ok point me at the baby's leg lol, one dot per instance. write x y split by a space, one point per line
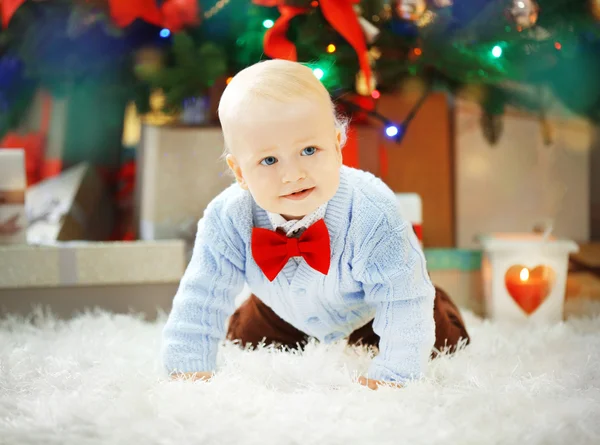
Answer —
255 322
449 326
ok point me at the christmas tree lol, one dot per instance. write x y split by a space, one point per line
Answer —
508 50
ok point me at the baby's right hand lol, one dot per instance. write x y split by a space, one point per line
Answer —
193 376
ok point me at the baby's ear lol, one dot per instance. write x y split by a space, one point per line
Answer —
236 169
338 145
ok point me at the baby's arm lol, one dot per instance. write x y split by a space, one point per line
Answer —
205 298
395 280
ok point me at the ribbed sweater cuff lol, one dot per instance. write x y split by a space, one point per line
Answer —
379 372
206 363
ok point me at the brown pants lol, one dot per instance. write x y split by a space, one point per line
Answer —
255 322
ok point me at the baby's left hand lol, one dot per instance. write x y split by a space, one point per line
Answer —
374 384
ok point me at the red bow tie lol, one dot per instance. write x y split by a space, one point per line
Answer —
272 250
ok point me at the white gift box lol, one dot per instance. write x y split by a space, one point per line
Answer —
180 172
524 276
73 276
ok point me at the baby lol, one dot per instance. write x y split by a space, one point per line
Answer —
322 246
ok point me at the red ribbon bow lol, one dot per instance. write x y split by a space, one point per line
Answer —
272 250
339 13
173 14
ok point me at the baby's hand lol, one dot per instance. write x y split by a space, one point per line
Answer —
193 376
374 384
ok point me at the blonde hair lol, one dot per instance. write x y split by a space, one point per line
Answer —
278 81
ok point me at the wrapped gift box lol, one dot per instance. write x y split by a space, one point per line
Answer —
13 182
180 170
71 276
72 206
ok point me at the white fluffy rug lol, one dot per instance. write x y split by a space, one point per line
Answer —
96 379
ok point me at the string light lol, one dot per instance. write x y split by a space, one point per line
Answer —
375 94
319 73
496 51
418 51
164 33
228 81
392 131
314 3
557 45
331 48
268 23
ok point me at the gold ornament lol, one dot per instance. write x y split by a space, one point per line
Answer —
157 116
524 13
411 10
132 126
361 84
374 53
595 8
216 9
426 19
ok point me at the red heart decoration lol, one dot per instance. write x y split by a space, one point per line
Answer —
529 288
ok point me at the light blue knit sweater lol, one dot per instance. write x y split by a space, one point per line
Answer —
377 270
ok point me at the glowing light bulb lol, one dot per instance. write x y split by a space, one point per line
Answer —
268 23
524 275
319 73
164 33
391 131
496 51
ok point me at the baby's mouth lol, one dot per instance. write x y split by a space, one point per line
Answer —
300 194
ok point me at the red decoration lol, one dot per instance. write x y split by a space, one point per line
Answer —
272 250
123 13
529 288
351 149
177 14
173 14
350 153
34 145
8 9
124 182
339 13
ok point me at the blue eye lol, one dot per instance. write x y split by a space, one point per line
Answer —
309 151
269 160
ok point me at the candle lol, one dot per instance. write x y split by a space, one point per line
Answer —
528 288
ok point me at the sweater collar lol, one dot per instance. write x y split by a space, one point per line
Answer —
337 215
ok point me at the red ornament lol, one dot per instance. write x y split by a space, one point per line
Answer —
177 14
124 13
8 9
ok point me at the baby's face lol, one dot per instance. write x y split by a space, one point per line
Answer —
288 156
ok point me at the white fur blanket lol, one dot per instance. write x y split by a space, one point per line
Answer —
96 379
